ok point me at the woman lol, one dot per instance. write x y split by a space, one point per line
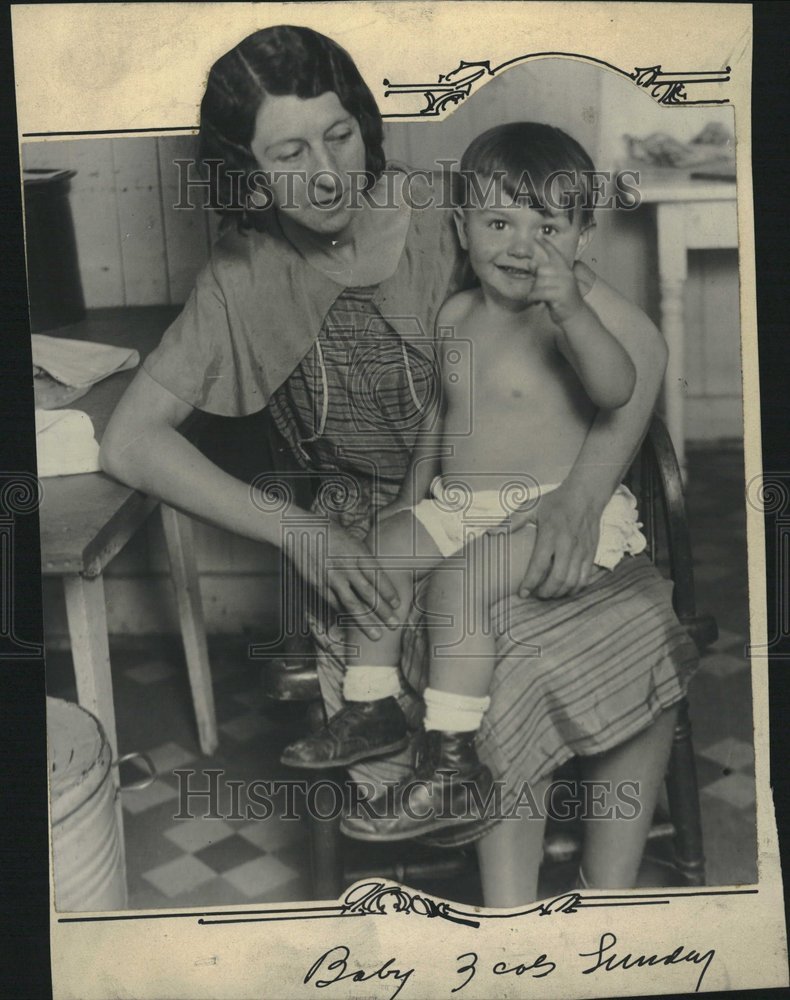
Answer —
320 304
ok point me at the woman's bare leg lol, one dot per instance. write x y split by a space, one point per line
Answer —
613 848
510 857
511 854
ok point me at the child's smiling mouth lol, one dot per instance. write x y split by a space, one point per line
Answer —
516 272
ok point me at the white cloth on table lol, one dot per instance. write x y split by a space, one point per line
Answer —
65 443
80 363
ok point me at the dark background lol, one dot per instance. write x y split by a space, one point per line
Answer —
25 974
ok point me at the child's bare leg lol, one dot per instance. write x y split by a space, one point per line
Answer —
372 723
510 857
463 644
454 785
406 551
613 848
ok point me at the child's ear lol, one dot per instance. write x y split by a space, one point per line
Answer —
460 225
584 239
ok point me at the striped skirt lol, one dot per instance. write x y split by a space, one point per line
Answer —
574 677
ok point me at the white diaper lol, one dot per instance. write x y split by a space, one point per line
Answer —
454 516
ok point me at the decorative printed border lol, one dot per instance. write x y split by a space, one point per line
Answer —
454 87
379 898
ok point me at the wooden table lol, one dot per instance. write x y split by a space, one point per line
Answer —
87 519
689 215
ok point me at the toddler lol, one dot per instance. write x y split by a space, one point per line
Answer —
527 361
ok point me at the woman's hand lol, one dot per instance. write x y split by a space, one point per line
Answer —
345 574
568 525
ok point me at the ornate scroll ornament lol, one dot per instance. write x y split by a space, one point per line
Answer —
670 88
450 88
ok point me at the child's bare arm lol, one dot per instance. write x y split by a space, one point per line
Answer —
603 365
569 518
424 464
601 362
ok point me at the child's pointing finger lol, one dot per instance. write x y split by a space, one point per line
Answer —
541 245
551 251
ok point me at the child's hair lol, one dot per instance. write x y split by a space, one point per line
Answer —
278 61
537 163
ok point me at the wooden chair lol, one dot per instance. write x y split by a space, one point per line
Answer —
655 479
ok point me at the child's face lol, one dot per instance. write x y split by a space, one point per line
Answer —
310 147
504 244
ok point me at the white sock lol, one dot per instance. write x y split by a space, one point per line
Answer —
370 683
453 713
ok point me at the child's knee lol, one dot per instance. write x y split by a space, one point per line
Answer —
393 536
497 562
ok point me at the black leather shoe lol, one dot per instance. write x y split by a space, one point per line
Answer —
360 730
449 787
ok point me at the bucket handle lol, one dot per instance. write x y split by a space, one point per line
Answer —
143 783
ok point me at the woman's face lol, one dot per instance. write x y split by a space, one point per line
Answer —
311 148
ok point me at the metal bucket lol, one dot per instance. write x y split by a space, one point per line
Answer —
86 848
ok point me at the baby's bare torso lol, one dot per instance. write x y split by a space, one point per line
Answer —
515 409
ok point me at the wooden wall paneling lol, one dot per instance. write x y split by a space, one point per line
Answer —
142 606
186 235
215 549
140 219
218 552
43 155
95 210
223 552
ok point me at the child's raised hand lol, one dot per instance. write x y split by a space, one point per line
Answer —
555 283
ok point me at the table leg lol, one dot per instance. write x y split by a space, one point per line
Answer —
673 270
181 552
87 620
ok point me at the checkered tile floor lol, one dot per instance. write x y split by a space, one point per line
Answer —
231 859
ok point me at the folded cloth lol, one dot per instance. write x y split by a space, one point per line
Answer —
80 362
50 394
65 445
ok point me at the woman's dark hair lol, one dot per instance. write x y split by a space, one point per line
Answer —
279 61
529 158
